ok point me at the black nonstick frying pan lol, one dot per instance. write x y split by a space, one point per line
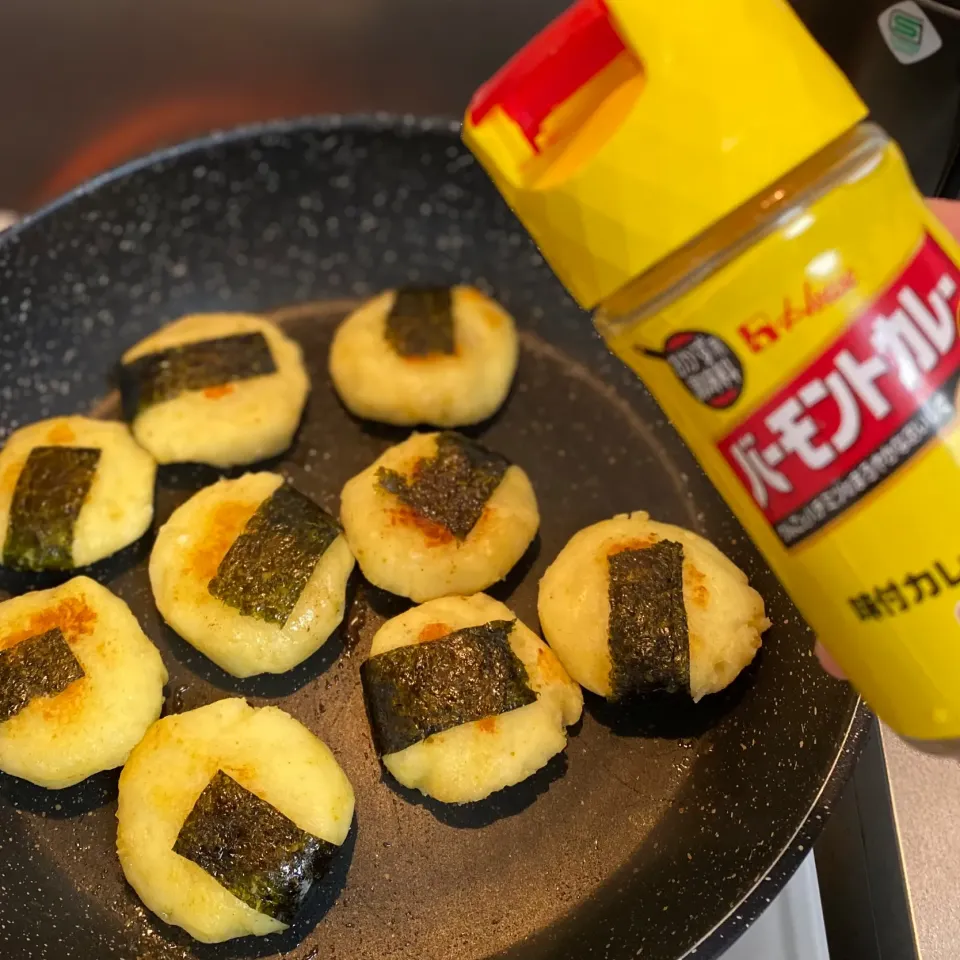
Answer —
661 829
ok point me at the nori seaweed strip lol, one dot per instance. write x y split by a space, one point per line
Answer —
268 565
249 847
47 498
420 322
40 666
649 644
166 374
415 691
452 487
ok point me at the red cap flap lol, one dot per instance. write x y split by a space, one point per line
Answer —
564 56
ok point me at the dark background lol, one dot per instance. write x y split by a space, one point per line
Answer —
85 84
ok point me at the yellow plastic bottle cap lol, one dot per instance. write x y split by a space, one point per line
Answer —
627 127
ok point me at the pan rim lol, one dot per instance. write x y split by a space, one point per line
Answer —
727 930
762 894
318 122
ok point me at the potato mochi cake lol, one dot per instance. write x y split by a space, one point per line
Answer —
217 388
464 699
632 606
439 355
227 816
252 573
438 515
80 683
73 490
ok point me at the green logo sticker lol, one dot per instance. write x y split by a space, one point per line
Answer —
906 32
909 32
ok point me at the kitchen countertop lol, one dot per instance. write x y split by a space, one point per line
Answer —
926 799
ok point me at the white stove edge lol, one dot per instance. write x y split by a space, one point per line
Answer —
791 928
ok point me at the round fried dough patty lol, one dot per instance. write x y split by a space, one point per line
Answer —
118 507
226 424
94 723
472 760
186 556
398 550
725 615
447 390
269 754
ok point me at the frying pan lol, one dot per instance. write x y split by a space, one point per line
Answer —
662 830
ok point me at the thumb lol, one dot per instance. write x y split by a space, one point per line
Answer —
948 213
827 662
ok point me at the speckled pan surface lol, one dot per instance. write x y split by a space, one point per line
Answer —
657 832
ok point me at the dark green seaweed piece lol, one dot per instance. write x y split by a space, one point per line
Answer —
249 847
415 691
420 322
452 487
268 565
41 666
50 491
649 645
166 374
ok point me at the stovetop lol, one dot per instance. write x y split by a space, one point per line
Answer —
791 928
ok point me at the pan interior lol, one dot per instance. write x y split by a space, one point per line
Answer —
656 821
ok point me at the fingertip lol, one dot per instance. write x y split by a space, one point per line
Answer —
947 212
827 662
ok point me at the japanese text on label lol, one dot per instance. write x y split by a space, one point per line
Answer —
861 409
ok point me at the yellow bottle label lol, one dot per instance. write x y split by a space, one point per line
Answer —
815 377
